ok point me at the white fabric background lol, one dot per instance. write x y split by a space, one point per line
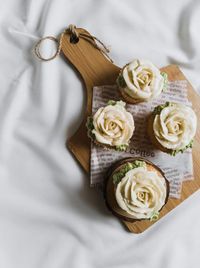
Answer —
49 218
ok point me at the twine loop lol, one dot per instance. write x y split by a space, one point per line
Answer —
74 38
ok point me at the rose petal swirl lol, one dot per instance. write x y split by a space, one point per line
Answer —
141 192
143 80
113 125
175 126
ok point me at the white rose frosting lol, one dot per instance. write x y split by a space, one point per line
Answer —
141 192
113 125
143 80
175 126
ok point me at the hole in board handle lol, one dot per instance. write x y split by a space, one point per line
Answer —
74 39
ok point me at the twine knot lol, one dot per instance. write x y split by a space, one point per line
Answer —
74 35
74 38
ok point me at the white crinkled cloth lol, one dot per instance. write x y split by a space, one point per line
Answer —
49 217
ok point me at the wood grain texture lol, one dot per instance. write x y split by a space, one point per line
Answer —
95 70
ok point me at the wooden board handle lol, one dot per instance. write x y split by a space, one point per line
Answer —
91 63
95 70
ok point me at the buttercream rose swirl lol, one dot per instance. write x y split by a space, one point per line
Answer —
141 193
113 125
175 126
143 80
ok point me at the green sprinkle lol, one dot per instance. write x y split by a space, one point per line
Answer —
154 217
158 109
120 81
129 166
121 103
139 163
121 147
165 82
117 177
113 103
175 152
90 127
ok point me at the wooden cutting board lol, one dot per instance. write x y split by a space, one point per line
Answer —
96 70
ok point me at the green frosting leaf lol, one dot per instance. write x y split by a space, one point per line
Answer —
158 109
90 127
121 147
117 177
175 152
154 217
120 81
113 103
164 75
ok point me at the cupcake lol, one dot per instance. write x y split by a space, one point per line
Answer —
111 126
172 127
136 189
141 81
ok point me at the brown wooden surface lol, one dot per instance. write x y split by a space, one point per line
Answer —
96 70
